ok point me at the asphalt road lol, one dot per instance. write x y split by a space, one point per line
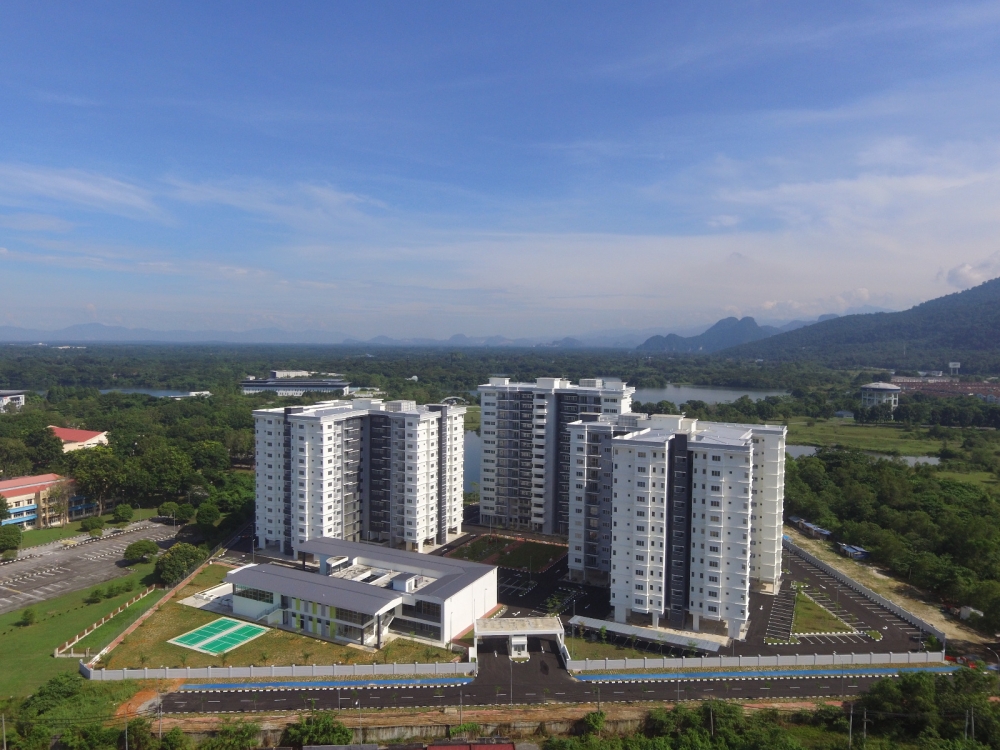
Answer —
502 682
55 569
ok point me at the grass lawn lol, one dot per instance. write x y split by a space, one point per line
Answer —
846 432
984 479
27 659
148 646
810 617
479 549
581 648
534 554
473 417
35 537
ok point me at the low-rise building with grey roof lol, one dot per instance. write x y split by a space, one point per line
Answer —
363 592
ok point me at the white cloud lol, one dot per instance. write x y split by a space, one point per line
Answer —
22 184
967 275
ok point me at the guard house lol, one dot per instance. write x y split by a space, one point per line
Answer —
517 630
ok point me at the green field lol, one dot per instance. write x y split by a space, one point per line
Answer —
43 536
27 651
531 556
810 617
849 434
481 548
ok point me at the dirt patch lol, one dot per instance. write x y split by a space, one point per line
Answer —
924 605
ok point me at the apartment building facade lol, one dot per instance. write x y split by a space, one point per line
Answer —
361 470
680 519
525 471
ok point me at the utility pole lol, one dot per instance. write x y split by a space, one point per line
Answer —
461 719
850 729
126 731
864 727
973 725
361 731
160 711
512 679
3 720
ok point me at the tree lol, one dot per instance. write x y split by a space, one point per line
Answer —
167 470
168 509
208 514
175 563
28 617
210 457
185 512
99 474
56 504
10 537
319 729
4 510
44 446
141 550
123 513
15 460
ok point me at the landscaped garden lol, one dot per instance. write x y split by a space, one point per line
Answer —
508 552
147 646
810 617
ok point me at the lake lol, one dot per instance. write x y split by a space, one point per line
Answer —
795 451
710 394
148 391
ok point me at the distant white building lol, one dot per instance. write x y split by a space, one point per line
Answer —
11 400
296 383
359 470
876 394
363 593
680 519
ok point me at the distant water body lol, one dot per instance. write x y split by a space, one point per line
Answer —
148 391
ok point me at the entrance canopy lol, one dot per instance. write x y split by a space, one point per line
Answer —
517 630
514 626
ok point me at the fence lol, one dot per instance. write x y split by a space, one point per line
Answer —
866 592
755 662
314 670
60 650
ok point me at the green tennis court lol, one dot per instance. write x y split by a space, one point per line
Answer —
219 636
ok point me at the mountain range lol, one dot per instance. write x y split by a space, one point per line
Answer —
727 333
964 327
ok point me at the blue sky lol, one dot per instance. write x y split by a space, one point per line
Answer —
424 169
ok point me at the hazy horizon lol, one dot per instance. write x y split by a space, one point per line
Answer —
530 171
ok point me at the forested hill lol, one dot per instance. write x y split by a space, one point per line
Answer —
727 332
964 327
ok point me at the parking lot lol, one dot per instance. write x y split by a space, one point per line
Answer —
51 570
771 618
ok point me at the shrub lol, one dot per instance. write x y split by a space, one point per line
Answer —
141 550
10 537
8 554
27 618
233 735
92 524
319 729
123 513
593 722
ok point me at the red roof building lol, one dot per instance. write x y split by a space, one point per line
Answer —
74 440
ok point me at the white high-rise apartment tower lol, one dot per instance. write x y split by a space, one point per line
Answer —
525 473
680 518
362 470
